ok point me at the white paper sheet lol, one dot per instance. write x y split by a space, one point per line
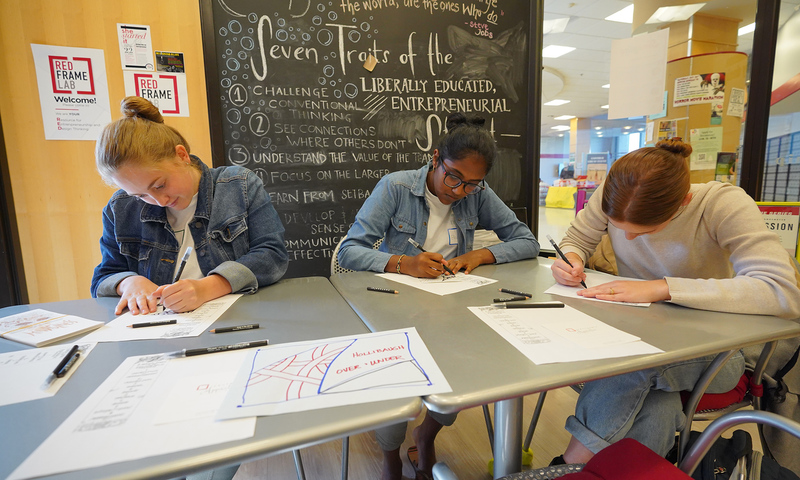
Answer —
555 335
444 285
295 377
24 373
633 93
592 280
116 422
190 324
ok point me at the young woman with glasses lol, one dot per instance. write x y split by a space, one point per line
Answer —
702 246
439 206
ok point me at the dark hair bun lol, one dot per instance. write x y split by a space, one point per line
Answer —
455 120
139 107
675 145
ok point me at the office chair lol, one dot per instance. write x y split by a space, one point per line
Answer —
648 465
335 267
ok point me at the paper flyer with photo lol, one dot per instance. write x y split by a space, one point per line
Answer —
701 88
73 91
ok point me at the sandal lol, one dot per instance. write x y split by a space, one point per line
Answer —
413 457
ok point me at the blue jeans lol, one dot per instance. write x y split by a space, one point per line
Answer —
644 405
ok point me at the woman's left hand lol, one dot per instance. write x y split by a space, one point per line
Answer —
628 291
471 260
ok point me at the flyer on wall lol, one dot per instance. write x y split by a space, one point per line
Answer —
135 47
73 91
701 88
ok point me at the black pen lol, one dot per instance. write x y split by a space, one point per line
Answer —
529 305
384 290
183 264
563 257
221 348
419 247
514 292
509 299
157 323
249 326
64 365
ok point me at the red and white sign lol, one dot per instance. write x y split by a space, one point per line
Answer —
73 91
783 220
167 91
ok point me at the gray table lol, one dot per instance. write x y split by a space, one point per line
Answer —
291 310
482 367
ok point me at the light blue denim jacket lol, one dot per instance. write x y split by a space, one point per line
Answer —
236 230
396 210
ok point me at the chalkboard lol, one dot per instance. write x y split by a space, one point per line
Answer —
291 97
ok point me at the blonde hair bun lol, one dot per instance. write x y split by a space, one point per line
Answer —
141 108
675 145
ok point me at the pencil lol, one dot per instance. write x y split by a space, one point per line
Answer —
384 290
563 257
419 247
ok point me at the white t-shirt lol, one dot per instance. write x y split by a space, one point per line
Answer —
179 221
442 232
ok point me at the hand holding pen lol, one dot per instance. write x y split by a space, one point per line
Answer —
431 258
567 277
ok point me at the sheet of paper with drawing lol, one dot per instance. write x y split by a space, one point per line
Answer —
560 334
189 324
593 279
295 377
444 285
38 327
29 370
127 416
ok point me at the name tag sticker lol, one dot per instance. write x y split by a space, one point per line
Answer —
452 235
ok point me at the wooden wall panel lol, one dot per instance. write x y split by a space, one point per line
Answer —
57 192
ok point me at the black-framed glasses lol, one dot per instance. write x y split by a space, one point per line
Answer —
451 180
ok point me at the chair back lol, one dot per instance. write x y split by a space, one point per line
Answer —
335 267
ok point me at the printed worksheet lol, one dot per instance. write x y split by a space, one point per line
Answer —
295 377
38 327
124 418
593 279
554 335
188 324
443 285
25 373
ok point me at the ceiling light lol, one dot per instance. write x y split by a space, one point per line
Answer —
598 128
640 129
564 117
556 102
555 51
601 106
747 29
627 127
560 134
600 134
674 14
556 25
623 16
625 133
607 85
560 127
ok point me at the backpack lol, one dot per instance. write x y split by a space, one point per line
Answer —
734 458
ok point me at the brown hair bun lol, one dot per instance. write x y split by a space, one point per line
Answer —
139 107
675 145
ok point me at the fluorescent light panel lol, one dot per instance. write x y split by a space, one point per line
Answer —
555 25
555 51
677 13
556 103
564 117
747 29
560 127
623 16
607 85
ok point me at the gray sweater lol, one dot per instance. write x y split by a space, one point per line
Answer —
717 254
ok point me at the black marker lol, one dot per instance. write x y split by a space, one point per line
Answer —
563 257
249 326
529 305
220 348
64 365
183 264
514 292
384 290
157 323
419 247
509 299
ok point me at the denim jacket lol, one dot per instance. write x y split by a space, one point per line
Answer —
236 230
396 210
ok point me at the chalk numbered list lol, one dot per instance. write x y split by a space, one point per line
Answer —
38 327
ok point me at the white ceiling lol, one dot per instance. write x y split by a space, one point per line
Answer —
580 75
